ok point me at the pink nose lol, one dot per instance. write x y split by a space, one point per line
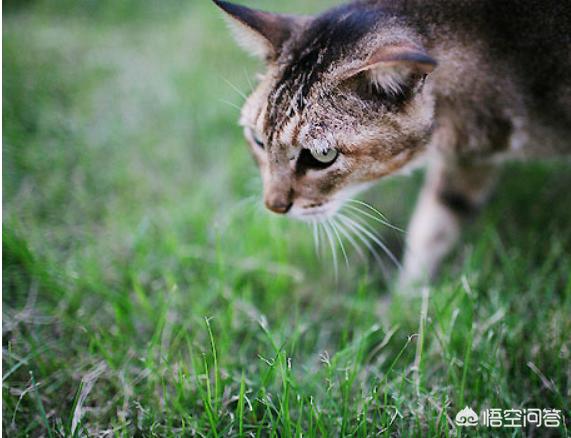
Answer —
277 205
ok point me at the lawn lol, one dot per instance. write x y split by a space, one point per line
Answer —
146 291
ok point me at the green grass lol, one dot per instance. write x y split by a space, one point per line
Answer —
143 296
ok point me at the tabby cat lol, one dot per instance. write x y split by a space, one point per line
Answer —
374 87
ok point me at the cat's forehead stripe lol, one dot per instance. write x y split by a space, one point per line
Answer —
290 131
329 38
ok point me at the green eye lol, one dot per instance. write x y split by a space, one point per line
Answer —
309 159
325 157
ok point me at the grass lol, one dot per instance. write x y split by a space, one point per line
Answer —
144 294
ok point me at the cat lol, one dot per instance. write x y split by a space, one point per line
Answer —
371 88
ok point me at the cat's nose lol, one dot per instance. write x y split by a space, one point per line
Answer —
277 205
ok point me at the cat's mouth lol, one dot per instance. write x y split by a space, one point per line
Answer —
325 210
320 213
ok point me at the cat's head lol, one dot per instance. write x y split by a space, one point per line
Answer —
344 101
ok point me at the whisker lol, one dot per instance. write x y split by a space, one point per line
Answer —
316 237
375 238
369 206
375 218
370 247
248 80
334 228
333 251
233 105
361 237
236 89
347 235
322 238
374 235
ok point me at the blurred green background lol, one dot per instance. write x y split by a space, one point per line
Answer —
147 292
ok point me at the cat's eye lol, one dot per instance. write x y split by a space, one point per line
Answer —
325 157
309 159
259 142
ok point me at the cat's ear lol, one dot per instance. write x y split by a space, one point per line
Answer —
390 68
260 33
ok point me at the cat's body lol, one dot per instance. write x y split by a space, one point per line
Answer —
509 62
366 89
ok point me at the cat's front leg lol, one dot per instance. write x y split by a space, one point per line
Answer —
451 195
